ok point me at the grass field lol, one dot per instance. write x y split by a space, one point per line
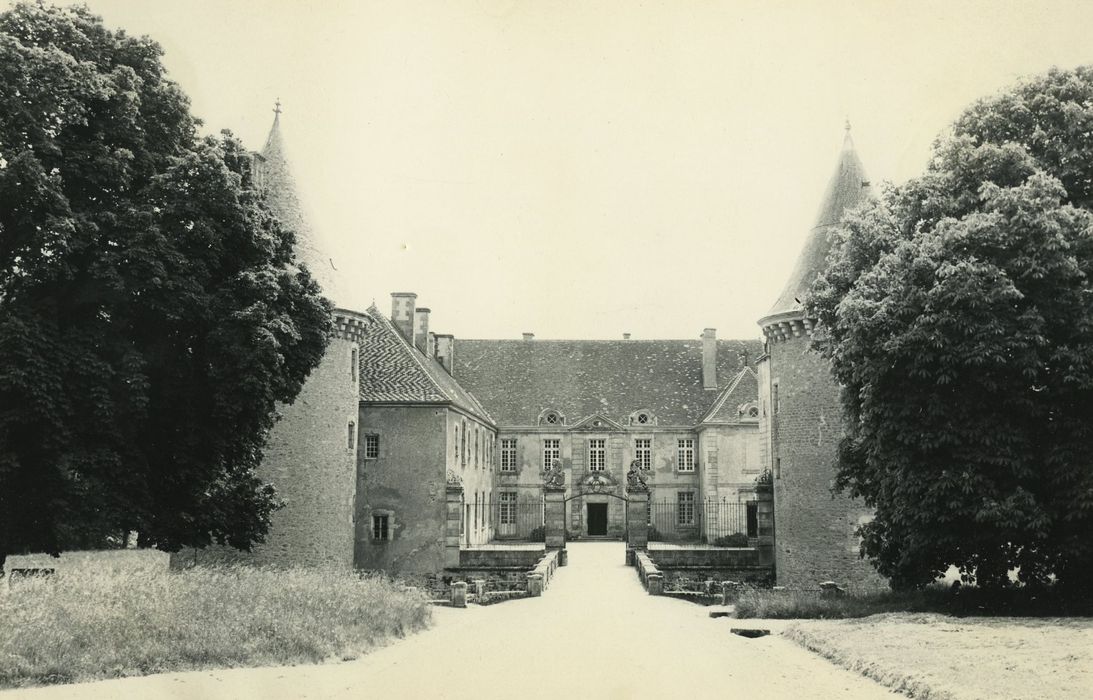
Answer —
70 628
935 657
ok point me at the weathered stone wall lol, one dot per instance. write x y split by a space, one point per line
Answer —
683 557
312 463
407 483
814 530
729 461
493 557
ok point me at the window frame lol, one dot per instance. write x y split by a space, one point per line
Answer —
597 454
647 451
557 449
685 455
685 508
387 520
371 440
508 455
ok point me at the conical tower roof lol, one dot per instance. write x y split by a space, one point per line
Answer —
284 201
849 187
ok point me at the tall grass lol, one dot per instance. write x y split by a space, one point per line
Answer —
77 627
967 601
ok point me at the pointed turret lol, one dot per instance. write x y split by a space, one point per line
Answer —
284 200
849 187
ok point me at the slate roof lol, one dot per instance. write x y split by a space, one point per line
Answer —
847 189
744 388
394 371
518 379
284 200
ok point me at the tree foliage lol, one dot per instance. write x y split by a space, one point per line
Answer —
151 314
959 314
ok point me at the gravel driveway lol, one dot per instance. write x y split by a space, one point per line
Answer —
594 634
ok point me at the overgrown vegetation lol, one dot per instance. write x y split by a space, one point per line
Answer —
774 604
64 629
958 316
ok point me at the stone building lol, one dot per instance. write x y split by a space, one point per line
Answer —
397 417
800 415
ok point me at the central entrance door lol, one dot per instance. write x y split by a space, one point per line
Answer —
597 519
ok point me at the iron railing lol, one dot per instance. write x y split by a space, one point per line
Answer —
517 519
709 520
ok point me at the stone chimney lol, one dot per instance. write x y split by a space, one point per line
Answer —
421 330
709 358
529 336
445 352
430 345
402 313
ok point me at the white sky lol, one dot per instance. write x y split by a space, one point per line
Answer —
581 169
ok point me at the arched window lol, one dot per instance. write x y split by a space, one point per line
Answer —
351 436
551 417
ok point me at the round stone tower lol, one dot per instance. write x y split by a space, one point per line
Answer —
311 457
801 416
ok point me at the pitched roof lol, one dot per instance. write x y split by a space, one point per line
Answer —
848 188
394 371
518 379
284 201
743 389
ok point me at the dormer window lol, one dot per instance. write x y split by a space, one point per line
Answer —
551 417
642 418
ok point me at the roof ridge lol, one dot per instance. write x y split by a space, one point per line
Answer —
726 392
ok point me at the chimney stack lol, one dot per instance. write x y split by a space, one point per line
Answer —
430 345
529 336
445 352
402 313
421 330
709 358
626 336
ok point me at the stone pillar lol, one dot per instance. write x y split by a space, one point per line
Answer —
535 584
479 588
637 522
655 584
765 517
459 594
453 523
555 518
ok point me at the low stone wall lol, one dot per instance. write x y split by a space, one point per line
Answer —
650 575
491 557
539 577
131 561
721 557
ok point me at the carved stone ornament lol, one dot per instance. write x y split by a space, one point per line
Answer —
634 479
554 477
454 480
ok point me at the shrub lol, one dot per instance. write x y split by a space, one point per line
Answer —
66 628
737 539
538 534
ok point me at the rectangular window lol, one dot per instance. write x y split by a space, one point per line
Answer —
380 530
371 446
507 509
552 450
686 454
508 454
775 405
353 365
597 454
351 436
686 508
476 452
643 452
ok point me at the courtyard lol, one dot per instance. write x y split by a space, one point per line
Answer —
595 633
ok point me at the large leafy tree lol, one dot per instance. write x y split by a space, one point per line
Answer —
151 314
959 316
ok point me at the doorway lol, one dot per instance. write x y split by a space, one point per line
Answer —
597 520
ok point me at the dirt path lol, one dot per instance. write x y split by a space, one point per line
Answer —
594 634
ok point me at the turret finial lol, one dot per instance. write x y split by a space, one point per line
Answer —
277 107
847 126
